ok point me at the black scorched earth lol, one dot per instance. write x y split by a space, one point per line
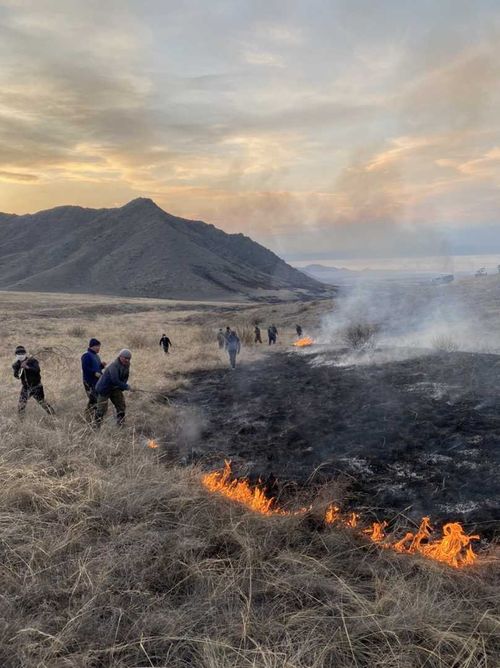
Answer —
419 436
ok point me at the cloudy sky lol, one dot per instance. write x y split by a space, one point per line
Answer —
325 128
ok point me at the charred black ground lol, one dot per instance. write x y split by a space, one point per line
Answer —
419 436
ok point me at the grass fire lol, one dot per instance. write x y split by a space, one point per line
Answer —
304 342
452 548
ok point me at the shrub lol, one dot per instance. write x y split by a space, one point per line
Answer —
359 336
445 344
139 340
77 331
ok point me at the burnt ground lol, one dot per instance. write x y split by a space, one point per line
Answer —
417 436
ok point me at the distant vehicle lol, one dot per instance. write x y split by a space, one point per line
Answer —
441 280
481 272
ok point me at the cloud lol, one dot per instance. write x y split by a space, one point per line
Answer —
326 125
17 177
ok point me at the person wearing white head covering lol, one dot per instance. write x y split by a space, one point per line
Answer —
27 369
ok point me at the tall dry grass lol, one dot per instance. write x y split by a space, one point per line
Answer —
112 557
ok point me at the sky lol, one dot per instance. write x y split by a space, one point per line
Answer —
322 129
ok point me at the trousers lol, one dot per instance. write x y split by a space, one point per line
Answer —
117 399
38 395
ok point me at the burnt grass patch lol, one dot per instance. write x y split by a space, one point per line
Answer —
414 437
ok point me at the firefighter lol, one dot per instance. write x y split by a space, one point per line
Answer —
166 343
233 347
258 338
298 329
27 369
92 368
111 386
221 339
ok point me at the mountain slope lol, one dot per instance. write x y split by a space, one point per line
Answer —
138 250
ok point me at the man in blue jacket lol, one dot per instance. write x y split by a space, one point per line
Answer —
111 385
92 368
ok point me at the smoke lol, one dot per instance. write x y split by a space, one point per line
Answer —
405 320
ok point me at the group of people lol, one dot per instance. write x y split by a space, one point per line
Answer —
102 382
108 382
272 334
229 340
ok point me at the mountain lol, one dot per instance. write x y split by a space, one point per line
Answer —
140 250
330 275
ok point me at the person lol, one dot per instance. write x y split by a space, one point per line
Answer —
92 368
111 386
258 338
272 334
233 347
227 334
27 370
221 339
298 329
166 343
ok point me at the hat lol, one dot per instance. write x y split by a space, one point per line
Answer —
125 353
20 350
94 342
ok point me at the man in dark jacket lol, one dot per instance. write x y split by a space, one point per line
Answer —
166 343
92 368
258 338
233 347
298 329
27 370
111 385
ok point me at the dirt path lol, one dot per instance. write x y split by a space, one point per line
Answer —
419 436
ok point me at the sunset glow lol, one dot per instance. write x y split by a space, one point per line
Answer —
305 125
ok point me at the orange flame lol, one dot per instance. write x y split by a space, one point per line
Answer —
153 444
376 532
453 548
306 341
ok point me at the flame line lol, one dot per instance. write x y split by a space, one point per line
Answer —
452 548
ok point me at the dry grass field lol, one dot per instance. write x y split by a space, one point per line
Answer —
112 553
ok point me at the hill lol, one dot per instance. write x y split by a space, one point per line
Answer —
140 250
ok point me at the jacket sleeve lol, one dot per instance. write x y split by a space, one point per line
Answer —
16 367
115 380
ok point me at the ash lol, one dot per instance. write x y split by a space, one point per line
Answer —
416 436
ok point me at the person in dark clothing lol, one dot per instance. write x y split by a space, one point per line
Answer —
111 386
258 338
166 343
272 334
227 334
233 347
221 339
92 368
27 369
298 329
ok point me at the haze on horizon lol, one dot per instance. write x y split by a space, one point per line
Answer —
321 129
